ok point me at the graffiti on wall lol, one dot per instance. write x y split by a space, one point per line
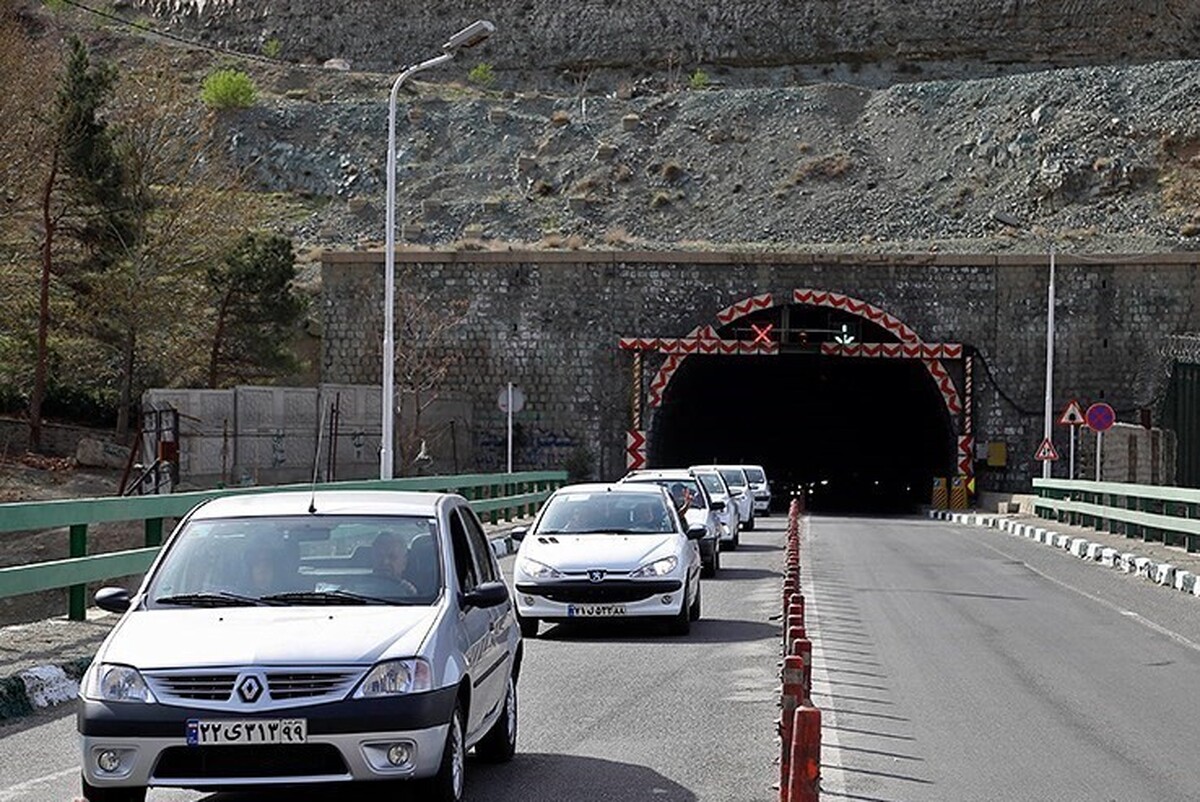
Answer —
534 448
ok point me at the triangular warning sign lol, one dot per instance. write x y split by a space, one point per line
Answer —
1072 415
1046 451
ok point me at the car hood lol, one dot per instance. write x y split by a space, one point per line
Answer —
158 639
583 552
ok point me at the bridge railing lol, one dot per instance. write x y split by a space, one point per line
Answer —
492 496
1153 513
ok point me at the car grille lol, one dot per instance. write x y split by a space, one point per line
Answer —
282 685
606 592
303 686
210 687
245 762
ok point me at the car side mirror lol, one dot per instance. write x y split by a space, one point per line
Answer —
489 594
114 600
518 534
718 505
696 531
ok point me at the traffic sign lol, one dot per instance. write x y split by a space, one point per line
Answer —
1072 415
518 400
1046 451
1100 417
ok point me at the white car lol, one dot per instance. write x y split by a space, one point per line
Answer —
300 638
760 489
722 502
608 551
739 486
701 509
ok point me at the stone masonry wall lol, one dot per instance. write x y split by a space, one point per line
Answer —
550 322
844 39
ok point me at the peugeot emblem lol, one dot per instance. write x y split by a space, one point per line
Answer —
250 689
596 575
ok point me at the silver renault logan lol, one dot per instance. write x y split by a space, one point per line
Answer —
294 638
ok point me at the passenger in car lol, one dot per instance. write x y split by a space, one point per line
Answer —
391 560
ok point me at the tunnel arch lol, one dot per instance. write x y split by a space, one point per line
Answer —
889 350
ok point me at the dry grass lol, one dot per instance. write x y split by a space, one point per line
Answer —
618 235
671 171
823 168
1179 175
560 118
660 199
570 242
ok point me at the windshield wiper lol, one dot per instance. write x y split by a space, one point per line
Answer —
328 597
218 598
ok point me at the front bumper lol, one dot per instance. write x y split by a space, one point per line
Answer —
347 740
561 600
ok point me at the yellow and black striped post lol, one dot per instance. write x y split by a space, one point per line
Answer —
939 500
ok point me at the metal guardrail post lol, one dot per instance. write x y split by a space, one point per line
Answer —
77 595
494 492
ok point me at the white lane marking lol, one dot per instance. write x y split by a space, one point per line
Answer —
13 791
833 778
1159 628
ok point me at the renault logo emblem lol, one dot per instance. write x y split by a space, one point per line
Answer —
250 689
596 575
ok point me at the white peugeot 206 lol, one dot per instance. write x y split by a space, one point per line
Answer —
608 551
298 639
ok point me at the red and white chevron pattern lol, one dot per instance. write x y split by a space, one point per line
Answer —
944 384
635 449
861 308
966 459
743 308
895 350
699 345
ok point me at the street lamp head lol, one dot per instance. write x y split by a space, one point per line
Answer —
469 36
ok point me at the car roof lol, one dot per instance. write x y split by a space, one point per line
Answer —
728 467
666 473
326 502
617 487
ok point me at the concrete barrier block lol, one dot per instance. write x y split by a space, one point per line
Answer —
48 685
1126 562
1185 581
1164 574
1109 557
1093 551
1144 566
1079 546
1196 588
1039 534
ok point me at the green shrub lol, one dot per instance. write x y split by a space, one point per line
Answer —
699 80
228 89
482 74
272 48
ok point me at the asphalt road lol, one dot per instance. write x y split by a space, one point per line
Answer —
606 713
954 663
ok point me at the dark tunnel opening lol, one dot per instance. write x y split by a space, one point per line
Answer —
855 435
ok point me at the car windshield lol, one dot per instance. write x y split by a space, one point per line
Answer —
712 483
311 560
756 476
680 489
606 512
734 478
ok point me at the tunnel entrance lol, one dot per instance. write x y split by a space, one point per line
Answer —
852 434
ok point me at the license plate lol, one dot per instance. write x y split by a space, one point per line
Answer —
595 610
236 732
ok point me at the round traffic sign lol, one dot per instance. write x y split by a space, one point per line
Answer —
1100 417
518 400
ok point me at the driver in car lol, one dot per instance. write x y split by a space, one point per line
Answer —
391 559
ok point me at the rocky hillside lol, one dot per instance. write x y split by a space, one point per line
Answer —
1098 158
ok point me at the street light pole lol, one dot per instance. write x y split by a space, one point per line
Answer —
470 36
1049 410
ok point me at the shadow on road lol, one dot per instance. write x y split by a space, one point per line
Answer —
757 547
530 777
727 574
706 630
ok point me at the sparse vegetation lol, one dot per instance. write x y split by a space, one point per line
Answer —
671 171
272 48
560 118
699 80
228 89
660 199
482 75
823 168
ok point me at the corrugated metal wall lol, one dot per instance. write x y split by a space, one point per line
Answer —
1181 412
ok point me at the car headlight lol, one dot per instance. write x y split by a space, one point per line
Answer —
536 570
657 568
114 683
395 678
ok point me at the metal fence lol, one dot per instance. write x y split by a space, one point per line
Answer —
1152 513
492 496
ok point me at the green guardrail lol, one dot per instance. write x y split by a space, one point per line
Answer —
492 496
1153 513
